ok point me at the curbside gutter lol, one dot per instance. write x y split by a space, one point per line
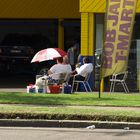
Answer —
68 124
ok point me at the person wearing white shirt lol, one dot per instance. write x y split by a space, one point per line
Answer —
55 71
62 66
84 69
81 72
66 64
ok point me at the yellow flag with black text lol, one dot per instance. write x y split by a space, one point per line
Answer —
119 26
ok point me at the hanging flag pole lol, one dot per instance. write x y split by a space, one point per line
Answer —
119 26
105 26
119 23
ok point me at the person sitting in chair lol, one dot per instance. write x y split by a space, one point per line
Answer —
66 64
81 72
54 72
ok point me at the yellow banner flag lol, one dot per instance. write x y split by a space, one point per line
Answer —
119 26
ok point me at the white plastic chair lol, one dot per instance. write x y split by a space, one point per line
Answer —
84 82
119 78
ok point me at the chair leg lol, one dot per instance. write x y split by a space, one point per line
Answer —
111 86
85 87
72 87
125 87
77 84
89 87
114 83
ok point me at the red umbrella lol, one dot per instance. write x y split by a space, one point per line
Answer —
48 54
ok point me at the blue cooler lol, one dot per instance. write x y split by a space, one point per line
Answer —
30 89
67 89
40 90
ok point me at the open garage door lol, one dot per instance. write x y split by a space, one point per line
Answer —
20 39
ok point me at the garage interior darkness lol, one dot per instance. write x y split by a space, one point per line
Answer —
18 77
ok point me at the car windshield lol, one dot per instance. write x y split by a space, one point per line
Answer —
15 39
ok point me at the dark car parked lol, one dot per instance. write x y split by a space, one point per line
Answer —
17 51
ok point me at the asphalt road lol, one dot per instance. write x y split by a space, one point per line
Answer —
17 133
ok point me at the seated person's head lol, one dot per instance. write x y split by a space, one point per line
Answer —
65 59
86 60
60 60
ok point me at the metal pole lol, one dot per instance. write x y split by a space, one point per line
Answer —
99 86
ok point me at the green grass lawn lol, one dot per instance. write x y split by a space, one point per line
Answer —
107 99
71 106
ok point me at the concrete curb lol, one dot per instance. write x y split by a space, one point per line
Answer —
69 124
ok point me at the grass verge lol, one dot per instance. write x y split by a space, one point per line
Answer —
67 113
39 106
131 100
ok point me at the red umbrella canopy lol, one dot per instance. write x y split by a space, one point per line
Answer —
48 54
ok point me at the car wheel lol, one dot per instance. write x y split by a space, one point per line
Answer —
43 71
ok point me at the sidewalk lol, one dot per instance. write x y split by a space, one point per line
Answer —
13 89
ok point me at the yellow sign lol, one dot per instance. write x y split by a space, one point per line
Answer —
119 25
